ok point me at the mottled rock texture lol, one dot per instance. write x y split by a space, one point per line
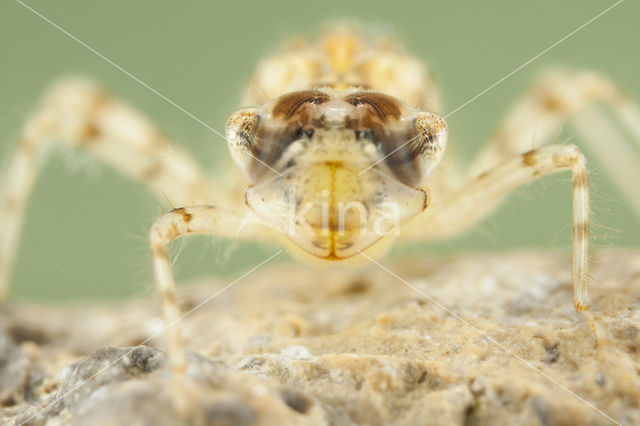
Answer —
292 345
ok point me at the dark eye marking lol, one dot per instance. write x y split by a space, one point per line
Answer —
365 134
384 106
302 133
290 103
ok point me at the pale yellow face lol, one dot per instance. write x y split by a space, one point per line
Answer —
336 170
330 211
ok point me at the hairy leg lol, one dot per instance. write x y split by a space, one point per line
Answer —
561 97
178 223
175 224
464 208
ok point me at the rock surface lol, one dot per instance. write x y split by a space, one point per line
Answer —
355 346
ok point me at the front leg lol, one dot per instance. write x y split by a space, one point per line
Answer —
482 194
175 224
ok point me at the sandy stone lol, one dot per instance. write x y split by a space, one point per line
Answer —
292 345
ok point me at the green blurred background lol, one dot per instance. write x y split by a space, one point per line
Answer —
86 231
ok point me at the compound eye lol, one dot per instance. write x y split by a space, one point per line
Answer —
412 147
430 142
241 132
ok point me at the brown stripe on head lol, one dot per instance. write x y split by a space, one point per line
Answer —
383 106
297 103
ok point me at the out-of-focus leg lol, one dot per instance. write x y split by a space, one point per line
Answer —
80 115
576 98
